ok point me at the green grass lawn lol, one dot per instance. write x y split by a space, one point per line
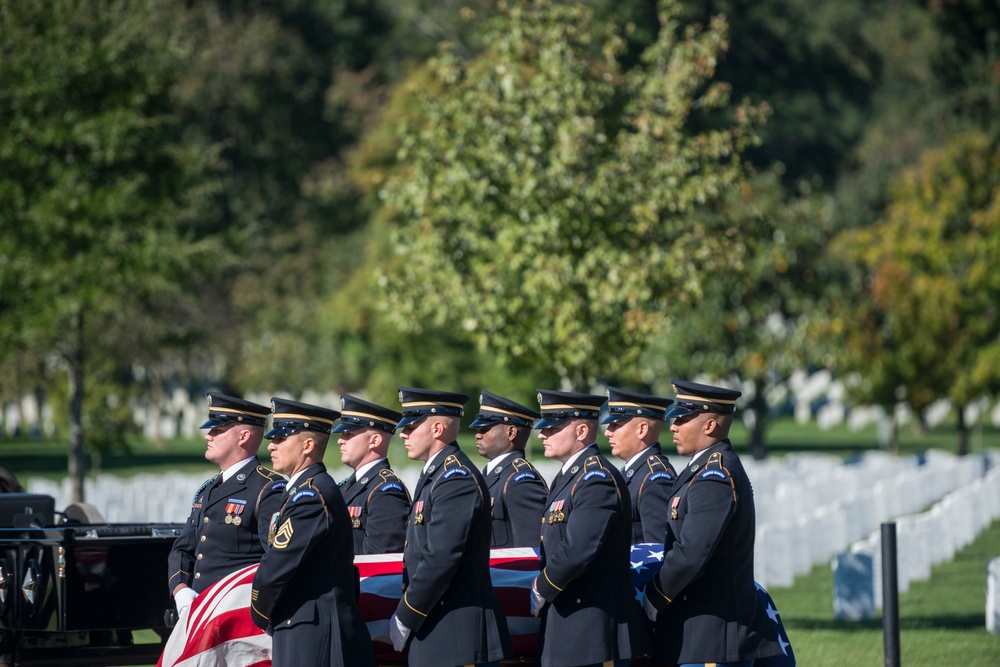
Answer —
942 620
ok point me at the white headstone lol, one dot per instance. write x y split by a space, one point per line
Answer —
993 596
853 587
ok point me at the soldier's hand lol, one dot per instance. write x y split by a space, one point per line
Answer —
537 601
648 607
183 599
398 634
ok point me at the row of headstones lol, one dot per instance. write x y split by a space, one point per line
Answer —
839 506
818 396
144 498
875 489
791 488
167 497
922 541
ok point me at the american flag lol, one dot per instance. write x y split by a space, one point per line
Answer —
646 560
216 630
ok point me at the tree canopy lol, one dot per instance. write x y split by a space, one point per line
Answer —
315 196
542 192
102 230
932 325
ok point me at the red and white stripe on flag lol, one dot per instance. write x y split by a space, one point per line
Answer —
216 630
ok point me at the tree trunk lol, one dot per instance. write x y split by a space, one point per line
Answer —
758 449
962 431
157 398
77 461
39 429
888 430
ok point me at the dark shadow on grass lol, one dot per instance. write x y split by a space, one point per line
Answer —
967 622
43 464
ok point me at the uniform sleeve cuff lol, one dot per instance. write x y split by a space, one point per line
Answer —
546 587
409 616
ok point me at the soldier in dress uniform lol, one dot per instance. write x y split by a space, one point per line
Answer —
376 498
634 423
583 593
517 489
449 613
703 600
304 589
227 527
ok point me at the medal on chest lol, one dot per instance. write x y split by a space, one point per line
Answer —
556 515
234 507
418 512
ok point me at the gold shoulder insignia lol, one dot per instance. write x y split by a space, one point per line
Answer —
655 463
521 464
267 473
715 461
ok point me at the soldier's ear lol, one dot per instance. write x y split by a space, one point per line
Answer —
374 440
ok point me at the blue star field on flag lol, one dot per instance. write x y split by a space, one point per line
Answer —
646 560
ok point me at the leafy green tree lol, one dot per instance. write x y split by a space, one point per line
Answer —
532 178
752 320
930 324
102 195
284 90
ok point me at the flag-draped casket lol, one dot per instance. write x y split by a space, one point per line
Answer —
217 630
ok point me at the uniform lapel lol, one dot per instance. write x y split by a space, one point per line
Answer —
563 479
691 469
360 485
234 486
495 472
439 460
352 490
309 472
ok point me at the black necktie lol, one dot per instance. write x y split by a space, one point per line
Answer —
213 486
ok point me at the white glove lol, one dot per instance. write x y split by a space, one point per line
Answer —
537 601
398 634
648 607
183 598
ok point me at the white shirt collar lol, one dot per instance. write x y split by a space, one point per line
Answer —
697 456
360 472
293 478
431 460
635 458
571 460
499 459
231 470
